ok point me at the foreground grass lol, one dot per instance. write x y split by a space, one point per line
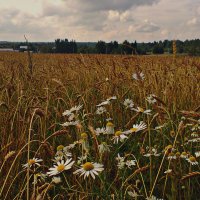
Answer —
161 159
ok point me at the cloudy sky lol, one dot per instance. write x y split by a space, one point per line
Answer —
93 20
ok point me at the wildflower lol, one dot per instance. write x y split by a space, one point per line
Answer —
152 152
141 110
138 76
112 98
100 110
130 163
103 103
82 158
195 134
184 155
119 136
60 148
71 123
56 180
70 146
32 162
168 171
194 140
121 162
197 154
107 101
151 99
110 128
171 156
133 194
89 168
98 131
138 127
104 147
69 112
192 160
128 103
60 167
62 152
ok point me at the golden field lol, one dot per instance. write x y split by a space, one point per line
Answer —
158 160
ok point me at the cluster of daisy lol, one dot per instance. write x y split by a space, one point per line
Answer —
72 116
122 162
109 140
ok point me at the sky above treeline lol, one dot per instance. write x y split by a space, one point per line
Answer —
93 20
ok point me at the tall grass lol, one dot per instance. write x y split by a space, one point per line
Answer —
31 108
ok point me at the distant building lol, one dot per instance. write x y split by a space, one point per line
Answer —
23 47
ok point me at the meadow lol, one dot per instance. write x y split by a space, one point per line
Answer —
99 127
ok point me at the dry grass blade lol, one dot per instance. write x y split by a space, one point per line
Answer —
190 175
190 113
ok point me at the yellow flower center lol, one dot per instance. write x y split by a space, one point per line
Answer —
184 153
60 168
110 124
84 136
169 147
171 154
140 109
192 159
178 154
134 129
88 166
118 133
31 162
60 147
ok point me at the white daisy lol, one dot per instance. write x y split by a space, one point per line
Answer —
171 156
109 128
192 160
138 76
100 110
82 158
111 98
104 147
151 99
89 168
71 117
119 136
103 103
72 123
69 112
184 155
76 108
121 161
56 180
32 162
141 110
130 163
99 131
138 127
60 167
197 154
128 103
168 171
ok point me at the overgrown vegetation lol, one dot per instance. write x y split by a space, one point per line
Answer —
132 122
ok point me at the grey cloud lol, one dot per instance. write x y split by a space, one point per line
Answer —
96 5
147 27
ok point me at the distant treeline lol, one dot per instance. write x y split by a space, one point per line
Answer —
190 47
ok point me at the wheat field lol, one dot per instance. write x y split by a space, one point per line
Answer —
99 127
